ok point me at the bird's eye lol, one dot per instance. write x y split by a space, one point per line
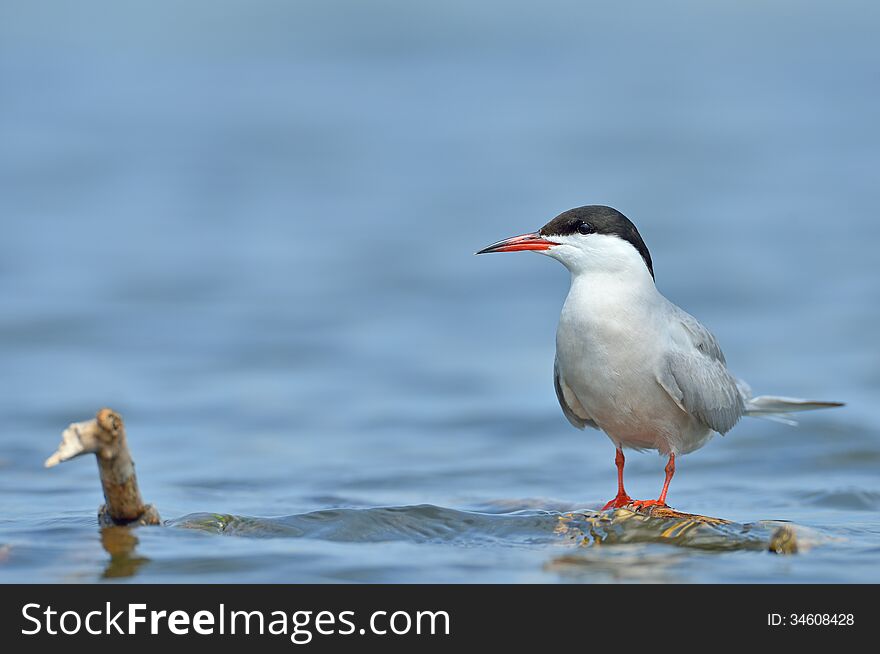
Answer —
584 228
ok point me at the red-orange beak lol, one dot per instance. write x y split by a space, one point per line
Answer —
518 243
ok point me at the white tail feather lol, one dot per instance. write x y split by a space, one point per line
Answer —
776 417
773 408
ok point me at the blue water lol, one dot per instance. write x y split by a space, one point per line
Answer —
249 227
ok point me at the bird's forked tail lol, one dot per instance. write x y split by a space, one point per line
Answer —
774 408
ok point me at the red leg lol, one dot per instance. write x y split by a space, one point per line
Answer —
670 471
660 501
622 498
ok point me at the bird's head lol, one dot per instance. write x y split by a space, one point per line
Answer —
592 239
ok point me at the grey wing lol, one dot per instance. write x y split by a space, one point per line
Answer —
571 406
698 379
701 337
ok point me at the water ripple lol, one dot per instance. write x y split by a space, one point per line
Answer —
429 523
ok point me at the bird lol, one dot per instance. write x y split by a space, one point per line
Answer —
630 362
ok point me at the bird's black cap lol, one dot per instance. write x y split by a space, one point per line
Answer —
598 219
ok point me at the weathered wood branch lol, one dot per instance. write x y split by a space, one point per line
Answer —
104 436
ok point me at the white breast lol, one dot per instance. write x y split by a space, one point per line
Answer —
613 334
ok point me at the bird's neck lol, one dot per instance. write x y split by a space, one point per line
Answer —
594 295
627 281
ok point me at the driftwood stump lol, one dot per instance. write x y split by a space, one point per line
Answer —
663 524
104 436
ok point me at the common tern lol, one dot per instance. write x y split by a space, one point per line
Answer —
630 362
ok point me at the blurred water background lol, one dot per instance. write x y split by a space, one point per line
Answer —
249 227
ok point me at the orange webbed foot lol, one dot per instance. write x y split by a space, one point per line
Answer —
618 502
